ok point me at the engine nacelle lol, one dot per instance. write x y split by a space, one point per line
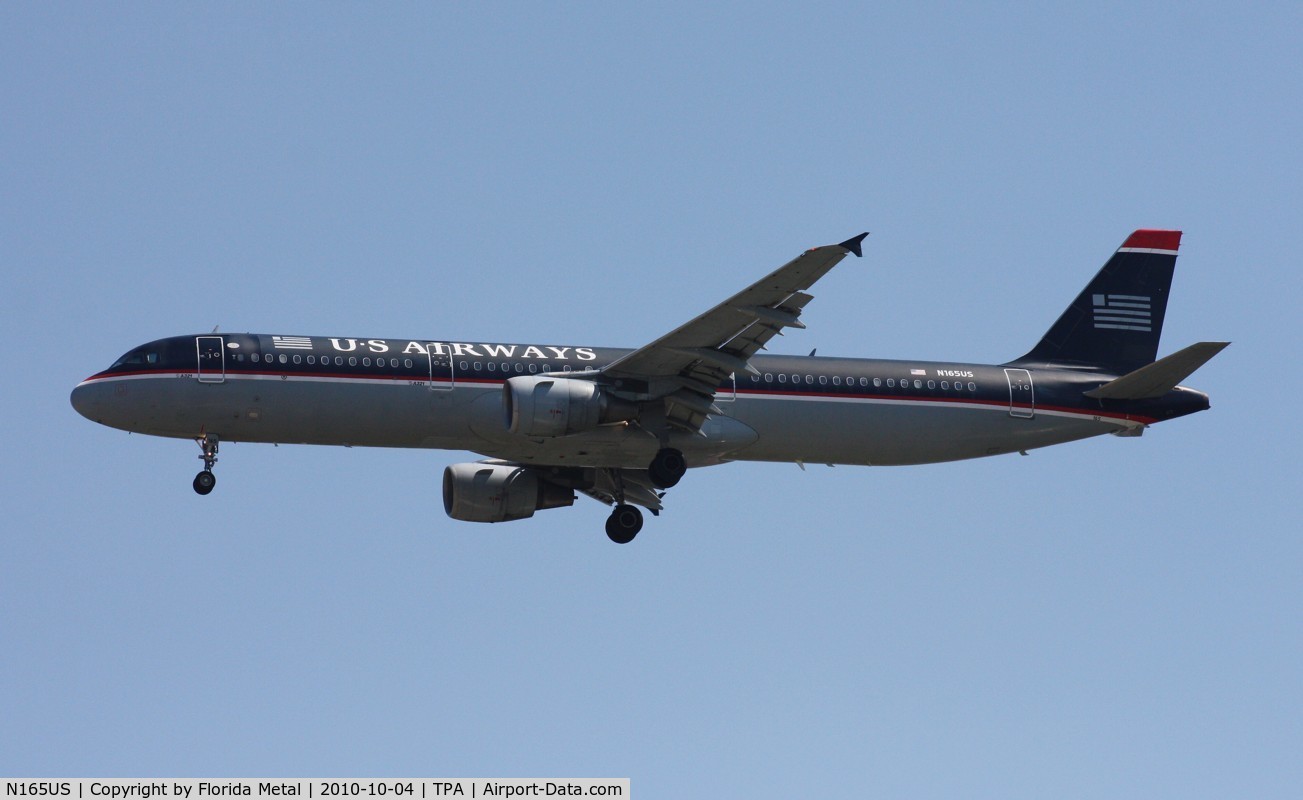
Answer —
498 493
540 405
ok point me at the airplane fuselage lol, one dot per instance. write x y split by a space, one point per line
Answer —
422 393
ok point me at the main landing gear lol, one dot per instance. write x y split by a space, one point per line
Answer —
667 468
206 480
626 519
624 523
664 471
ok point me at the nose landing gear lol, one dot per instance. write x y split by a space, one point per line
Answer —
206 480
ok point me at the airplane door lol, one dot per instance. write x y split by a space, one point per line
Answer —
211 353
1022 395
440 365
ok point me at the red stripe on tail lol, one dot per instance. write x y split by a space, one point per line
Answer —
1154 240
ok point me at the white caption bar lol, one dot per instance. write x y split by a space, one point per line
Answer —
312 788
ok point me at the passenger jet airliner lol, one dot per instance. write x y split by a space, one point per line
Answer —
622 426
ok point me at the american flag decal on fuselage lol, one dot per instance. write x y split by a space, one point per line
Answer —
291 342
1123 312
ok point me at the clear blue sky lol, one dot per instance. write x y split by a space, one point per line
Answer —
1116 617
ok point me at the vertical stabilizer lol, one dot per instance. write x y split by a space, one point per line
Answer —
1115 323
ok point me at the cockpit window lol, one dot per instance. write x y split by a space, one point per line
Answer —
142 357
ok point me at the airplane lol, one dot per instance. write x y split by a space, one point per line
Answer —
623 426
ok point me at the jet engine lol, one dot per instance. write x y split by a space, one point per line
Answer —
539 405
499 492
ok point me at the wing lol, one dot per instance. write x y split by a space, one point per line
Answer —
687 365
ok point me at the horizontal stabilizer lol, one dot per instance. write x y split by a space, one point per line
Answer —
1160 377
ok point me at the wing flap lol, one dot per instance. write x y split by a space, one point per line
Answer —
633 484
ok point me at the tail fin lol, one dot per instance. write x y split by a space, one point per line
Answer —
1115 323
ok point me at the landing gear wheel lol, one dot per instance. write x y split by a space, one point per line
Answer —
667 468
623 524
204 482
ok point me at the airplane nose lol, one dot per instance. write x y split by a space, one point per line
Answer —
83 399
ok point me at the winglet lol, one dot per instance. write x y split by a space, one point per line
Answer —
853 244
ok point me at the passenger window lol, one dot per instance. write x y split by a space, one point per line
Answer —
547 367
782 378
891 383
464 366
809 379
298 359
492 367
312 359
972 387
352 361
876 382
567 367
945 385
836 380
533 367
283 359
520 366
931 384
823 380
407 362
366 362
254 357
339 361
918 384
769 377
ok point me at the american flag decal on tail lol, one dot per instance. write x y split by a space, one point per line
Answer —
1123 312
